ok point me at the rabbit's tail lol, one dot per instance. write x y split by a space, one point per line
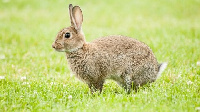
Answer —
161 68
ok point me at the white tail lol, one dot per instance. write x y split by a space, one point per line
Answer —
161 68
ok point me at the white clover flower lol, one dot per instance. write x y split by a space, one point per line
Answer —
2 77
35 92
189 82
198 63
23 78
70 97
179 75
52 83
64 85
25 83
197 108
65 92
2 56
13 66
145 92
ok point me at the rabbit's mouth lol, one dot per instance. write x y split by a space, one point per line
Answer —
58 47
60 50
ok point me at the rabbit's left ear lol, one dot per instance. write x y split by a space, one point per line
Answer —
78 17
70 14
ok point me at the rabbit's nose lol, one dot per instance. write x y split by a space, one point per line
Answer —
53 46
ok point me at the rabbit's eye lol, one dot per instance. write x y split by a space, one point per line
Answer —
67 35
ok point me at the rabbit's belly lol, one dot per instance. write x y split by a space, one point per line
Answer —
117 78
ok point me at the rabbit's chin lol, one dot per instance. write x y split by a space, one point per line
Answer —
61 50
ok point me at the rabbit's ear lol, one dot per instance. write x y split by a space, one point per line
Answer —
78 17
70 14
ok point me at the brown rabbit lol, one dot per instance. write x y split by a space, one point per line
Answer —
128 61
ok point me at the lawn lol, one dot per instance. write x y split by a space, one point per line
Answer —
34 77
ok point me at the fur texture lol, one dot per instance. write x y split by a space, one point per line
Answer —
128 61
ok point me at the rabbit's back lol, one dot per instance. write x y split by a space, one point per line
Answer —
124 48
121 45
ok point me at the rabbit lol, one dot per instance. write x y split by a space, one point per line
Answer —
127 61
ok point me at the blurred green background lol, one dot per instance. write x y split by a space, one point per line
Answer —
29 65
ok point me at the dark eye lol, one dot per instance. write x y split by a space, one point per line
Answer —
67 35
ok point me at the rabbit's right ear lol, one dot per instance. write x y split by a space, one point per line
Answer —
70 14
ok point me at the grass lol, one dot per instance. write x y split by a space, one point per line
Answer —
33 77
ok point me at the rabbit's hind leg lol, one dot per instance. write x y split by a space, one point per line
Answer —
128 84
143 78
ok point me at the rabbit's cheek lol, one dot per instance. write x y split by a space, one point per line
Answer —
58 45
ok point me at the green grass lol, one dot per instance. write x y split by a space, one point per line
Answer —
28 28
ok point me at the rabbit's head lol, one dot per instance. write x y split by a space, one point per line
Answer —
71 38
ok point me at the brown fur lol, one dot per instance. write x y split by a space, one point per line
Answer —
128 61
